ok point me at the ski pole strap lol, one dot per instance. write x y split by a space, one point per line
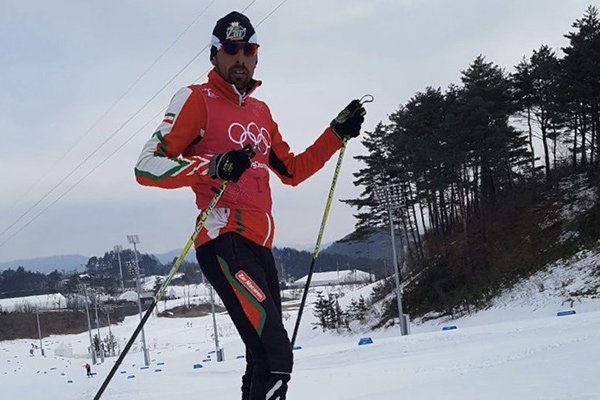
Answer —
367 98
330 198
205 213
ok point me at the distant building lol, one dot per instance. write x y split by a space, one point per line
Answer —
53 301
329 278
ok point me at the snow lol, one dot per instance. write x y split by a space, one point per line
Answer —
41 302
518 348
576 197
334 277
128 295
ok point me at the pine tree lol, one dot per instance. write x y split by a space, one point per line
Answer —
322 310
339 315
522 82
582 83
545 73
96 343
361 309
330 313
110 344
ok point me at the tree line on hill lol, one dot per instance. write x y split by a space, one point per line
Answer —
464 158
104 271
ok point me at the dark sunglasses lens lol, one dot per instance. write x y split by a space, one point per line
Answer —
230 47
250 49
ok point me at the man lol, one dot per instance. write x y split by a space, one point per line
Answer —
224 134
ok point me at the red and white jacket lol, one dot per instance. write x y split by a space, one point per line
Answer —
209 119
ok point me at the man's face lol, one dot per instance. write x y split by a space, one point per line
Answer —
237 68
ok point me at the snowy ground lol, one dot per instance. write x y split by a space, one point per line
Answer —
517 349
519 352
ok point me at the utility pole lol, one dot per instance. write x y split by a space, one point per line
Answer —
98 328
134 239
369 241
282 279
110 336
37 315
87 313
390 196
118 250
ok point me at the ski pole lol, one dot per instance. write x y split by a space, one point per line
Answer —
365 99
161 292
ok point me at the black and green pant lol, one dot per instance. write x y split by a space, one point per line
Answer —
245 277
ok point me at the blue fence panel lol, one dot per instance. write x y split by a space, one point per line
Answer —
449 328
567 312
365 340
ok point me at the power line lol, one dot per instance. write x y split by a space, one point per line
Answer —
108 110
49 192
80 180
110 137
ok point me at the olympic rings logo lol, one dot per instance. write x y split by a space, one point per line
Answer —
251 134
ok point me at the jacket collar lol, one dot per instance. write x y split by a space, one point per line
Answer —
228 90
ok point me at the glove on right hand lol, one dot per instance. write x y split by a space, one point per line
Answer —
348 122
231 165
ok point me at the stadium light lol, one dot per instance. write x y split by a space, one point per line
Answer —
134 239
118 250
390 196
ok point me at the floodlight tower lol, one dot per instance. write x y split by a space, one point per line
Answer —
390 196
134 239
118 250
87 313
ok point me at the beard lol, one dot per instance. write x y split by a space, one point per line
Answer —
237 75
236 72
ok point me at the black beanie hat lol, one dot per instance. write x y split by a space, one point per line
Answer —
234 26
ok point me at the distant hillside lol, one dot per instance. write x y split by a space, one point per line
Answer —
342 252
46 265
167 258
548 244
375 247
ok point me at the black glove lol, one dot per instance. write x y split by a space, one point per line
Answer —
231 165
347 124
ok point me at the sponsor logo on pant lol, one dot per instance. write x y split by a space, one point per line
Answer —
249 284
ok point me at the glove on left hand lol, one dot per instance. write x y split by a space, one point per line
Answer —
231 165
348 122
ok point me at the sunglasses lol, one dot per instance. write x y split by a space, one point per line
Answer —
231 48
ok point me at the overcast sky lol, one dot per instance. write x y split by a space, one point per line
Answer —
64 65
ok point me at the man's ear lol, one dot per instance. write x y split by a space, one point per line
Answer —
213 61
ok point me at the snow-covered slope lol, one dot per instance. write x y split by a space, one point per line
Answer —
517 349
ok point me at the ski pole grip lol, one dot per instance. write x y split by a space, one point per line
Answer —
249 151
